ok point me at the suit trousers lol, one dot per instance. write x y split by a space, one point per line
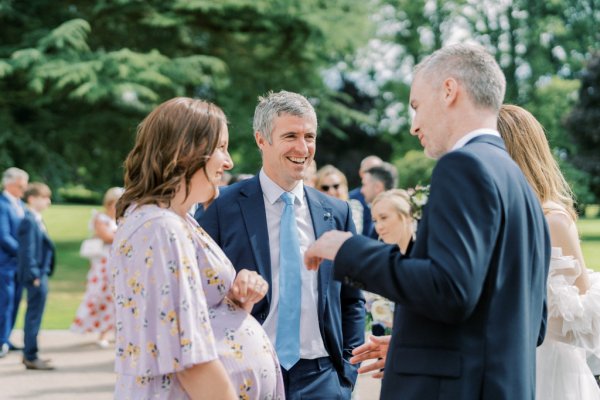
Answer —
7 299
314 379
36 301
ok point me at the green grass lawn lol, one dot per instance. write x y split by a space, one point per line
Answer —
68 226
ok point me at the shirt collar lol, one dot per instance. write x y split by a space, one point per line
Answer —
477 132
16 201
273 191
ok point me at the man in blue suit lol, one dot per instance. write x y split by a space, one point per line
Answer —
470 294
35 264
12 210
356 193
245 222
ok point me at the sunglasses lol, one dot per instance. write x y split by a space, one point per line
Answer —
326 188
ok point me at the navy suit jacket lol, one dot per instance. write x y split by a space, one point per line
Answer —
9 224
237 222
36 251
471 293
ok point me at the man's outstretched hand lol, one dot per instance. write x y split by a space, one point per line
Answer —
375 348
324 248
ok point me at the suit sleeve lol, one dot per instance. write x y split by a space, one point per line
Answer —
7 241
27 262
462 226
353 316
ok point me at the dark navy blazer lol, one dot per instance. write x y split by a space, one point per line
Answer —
471 294
36 251
237 222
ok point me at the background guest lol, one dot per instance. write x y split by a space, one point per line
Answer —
377 180
36 263
356 194
96 311
12 211
394 224
333 182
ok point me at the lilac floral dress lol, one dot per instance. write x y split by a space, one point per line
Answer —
170 283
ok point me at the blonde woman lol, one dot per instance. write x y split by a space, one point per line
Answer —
573 303
392 218
96 312
333 182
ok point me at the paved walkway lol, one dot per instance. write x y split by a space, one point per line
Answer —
83 371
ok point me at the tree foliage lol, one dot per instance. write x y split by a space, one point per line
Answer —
584 123
76 78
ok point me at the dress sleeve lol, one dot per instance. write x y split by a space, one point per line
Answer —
166 323
578 316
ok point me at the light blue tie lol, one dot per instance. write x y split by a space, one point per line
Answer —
290 261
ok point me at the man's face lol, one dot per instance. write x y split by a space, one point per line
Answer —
17 187
293 146
370 188
428 118
39 203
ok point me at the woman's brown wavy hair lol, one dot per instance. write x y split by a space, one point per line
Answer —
173 142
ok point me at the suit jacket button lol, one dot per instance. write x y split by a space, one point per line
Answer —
347 280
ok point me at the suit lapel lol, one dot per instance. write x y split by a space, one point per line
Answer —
322 220
253 211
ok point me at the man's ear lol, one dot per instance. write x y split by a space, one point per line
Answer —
450 90
260 140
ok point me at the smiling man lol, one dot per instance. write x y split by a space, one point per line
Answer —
470 294
265 224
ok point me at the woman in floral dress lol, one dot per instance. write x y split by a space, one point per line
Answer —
182 324
96 313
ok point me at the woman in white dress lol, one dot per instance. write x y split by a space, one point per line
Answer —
96 313
573 292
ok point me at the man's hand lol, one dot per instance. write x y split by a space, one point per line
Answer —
36 282
324 248
374 349
248 289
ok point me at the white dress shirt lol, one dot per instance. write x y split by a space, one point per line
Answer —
477 132
311 342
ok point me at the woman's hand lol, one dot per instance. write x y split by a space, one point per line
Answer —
248 289
375 349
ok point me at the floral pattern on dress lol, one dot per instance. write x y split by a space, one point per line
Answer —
170 283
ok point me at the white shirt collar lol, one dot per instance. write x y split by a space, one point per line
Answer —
11 197
273 191
477 132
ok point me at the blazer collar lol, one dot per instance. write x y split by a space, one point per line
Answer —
489 139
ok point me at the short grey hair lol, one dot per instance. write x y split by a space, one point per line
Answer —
274 104
473 67
13 174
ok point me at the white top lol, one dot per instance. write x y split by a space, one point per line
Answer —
477 132
311 342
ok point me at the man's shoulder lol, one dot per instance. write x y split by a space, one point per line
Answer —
325 200
241 188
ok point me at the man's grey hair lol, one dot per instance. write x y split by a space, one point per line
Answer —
13 174
473 67
274 105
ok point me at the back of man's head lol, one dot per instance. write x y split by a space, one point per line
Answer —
473 67
369 162
385 173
